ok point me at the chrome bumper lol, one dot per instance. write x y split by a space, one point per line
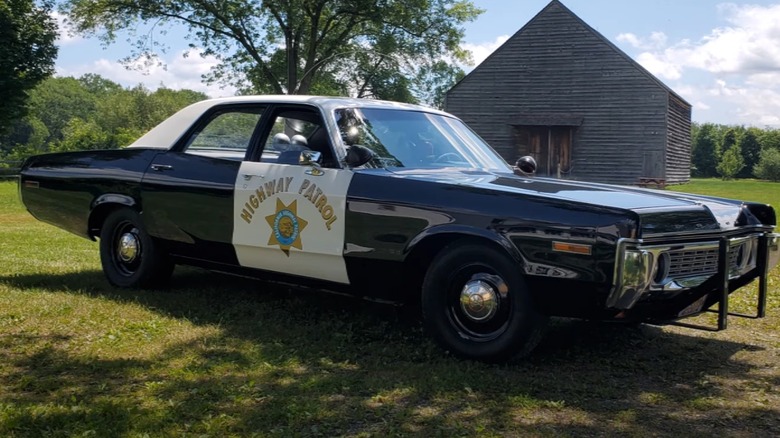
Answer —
641 268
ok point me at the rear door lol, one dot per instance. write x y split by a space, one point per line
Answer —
289 217
187 192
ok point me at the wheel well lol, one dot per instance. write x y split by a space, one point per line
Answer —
98 216
417 262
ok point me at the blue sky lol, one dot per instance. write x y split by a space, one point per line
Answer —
723 57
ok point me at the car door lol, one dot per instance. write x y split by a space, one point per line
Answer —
187 192
289 217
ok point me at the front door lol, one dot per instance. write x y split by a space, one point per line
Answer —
289 217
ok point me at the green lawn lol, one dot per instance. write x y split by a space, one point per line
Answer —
220 356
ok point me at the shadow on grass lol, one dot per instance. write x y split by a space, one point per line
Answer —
290 362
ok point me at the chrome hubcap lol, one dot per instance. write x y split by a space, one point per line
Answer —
478 300
127 249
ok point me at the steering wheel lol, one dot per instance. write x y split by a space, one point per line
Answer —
443 157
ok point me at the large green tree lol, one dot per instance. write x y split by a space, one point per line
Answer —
361 47
751 151
27 53
704 155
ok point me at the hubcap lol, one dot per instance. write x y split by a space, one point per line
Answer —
127 249
478 300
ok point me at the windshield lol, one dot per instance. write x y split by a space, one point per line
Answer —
402 138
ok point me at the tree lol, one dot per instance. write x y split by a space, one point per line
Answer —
770 139
731 162
297 46
751 151
704 156
728 140
768 166
27 53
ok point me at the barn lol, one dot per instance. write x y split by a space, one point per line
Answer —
560 91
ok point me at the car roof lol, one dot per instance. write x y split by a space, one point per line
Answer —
167 133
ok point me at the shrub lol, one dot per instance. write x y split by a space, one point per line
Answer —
768 166
731 162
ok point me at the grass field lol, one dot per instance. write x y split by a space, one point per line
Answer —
220 356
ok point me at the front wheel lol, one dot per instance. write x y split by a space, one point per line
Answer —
129 256
476 304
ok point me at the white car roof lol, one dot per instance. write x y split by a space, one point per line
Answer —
167 133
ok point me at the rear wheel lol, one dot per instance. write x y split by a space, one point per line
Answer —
477 306
130 257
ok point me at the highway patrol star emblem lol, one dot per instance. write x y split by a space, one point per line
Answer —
286 227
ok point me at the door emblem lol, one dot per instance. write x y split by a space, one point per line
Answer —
286 227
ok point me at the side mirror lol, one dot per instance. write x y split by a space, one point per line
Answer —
310 158
358 155
525 166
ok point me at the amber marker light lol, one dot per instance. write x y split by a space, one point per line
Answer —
573 248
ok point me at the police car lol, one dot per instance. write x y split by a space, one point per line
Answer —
402 203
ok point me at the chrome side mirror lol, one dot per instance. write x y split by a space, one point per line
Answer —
310 158
525 166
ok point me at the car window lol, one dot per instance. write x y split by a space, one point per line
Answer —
415 139
226 135
294 131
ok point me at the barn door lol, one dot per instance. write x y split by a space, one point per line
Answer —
549 145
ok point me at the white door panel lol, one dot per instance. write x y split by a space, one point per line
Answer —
290 219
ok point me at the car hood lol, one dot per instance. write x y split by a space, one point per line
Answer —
658 211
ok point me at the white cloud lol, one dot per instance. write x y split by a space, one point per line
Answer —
184 70
750 44
657 40
736 66
481 51
66 35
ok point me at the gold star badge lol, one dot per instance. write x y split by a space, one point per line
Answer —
286 227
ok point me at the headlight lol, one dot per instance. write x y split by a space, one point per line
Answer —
633 274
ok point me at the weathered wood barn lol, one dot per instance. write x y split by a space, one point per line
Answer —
561 92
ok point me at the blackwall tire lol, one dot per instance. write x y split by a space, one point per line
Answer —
476 304
129 256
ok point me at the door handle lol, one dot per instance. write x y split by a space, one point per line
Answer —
248 176
161 167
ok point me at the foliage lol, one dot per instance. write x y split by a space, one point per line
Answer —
731 162
90 112
298 46
751 150
80 135
27 53
704 156
768 166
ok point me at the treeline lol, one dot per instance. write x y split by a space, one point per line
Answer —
735 152
90 112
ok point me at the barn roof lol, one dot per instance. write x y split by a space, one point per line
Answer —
557 4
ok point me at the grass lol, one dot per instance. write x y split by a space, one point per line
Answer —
220 356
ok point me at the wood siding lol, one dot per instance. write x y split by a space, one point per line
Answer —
558 67
678 147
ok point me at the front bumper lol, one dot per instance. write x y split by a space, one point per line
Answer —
643 270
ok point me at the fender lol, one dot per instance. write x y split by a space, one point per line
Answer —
113 198
102 205
466 231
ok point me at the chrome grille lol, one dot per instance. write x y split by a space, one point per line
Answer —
698 262
691 263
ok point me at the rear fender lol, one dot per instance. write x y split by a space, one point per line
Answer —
102 206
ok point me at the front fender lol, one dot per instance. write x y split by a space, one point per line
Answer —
458 230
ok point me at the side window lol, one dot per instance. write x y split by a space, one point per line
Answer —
226 135
294 131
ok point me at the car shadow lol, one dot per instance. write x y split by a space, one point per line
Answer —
328 361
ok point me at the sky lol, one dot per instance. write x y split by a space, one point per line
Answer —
722 57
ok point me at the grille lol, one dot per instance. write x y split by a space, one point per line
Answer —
693 263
